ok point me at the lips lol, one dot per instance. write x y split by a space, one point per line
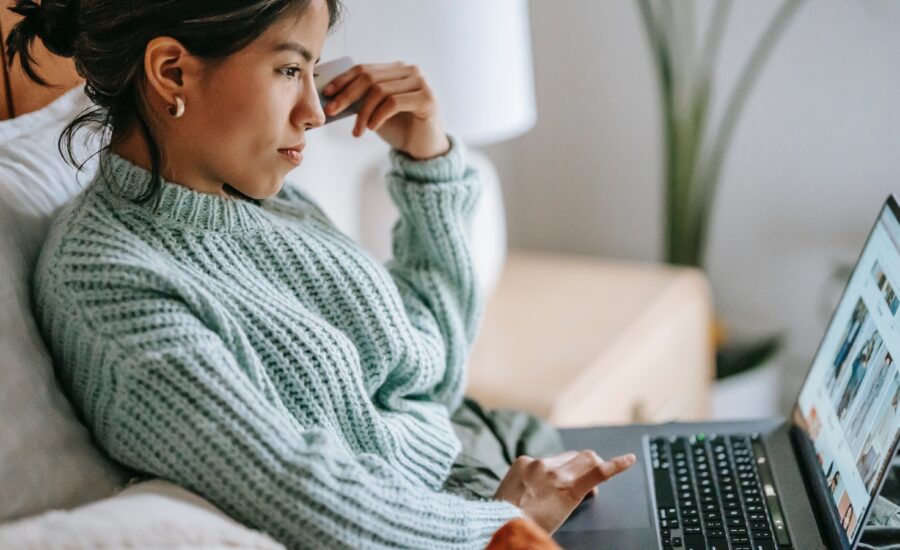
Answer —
293 154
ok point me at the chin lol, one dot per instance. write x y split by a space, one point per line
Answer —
263 189
271 191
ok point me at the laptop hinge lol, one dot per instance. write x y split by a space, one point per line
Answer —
824 508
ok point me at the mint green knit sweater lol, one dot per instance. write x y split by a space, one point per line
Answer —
253 353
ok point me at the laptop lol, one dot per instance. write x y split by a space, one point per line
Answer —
806 481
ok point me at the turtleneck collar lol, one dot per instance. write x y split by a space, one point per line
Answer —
179 204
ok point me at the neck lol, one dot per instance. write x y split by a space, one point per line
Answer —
133 147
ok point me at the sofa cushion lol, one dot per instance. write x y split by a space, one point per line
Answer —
151 514
47 459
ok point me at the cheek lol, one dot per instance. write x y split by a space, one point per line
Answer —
251 118
243 125
228 112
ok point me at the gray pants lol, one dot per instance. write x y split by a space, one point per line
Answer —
491 441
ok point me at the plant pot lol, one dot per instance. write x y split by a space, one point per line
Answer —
751 394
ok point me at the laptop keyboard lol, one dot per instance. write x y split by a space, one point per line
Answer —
716 492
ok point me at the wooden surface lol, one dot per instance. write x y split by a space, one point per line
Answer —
20 94
583 341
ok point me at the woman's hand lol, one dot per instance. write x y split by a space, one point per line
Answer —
399 105
547 490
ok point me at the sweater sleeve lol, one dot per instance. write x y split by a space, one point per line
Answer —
432 261
164 395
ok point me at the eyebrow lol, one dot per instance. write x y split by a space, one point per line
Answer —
295 47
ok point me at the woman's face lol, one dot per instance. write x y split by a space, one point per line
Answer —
241 112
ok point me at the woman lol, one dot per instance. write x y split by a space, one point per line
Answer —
214 328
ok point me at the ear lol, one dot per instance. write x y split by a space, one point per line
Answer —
170 70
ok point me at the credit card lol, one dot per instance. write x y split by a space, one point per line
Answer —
326 73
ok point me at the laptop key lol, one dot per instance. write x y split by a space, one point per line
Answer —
665 523
694 542
665 498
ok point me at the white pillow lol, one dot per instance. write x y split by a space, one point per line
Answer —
153 514
47 459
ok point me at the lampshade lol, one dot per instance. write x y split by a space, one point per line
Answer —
475 54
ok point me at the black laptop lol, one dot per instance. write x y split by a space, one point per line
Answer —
803 482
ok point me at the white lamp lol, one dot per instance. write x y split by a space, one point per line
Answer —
476 56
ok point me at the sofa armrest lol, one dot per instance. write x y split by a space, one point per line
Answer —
582 341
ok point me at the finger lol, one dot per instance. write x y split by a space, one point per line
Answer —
560 459
338 82
360 87
602 471
592 493
617 465
576 467
394 104
579 461
521 461
378 93
585 454
357 87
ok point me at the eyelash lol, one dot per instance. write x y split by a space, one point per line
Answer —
298 69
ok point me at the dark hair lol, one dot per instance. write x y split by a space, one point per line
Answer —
107 39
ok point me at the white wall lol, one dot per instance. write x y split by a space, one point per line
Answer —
816 152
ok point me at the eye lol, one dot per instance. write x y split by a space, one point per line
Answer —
289 72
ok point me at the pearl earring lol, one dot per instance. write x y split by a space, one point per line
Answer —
178 109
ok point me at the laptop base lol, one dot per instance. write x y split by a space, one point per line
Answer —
622 514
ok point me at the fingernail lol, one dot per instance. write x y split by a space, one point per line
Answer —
631 458
328 89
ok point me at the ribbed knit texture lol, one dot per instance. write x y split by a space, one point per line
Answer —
254 354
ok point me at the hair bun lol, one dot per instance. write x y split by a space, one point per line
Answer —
54 21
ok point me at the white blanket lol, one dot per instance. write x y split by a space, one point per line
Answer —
153 514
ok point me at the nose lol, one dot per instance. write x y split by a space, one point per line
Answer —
308 112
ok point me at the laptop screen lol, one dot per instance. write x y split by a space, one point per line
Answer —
850 401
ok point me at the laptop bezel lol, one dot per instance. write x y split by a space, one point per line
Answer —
828 509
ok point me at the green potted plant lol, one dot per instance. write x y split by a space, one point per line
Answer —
695 145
